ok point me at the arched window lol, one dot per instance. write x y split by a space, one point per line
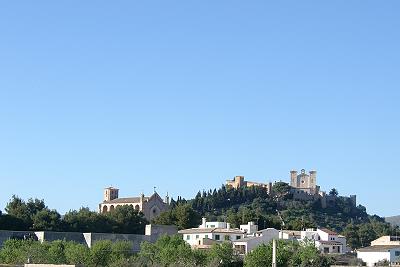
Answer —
137 207
105 209
111 207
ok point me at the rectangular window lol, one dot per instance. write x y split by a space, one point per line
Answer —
206 236
227 238
188 237
397 253
238 237
197 236
217 237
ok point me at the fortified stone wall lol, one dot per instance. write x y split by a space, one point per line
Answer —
5 235
136 240
153 232
66 236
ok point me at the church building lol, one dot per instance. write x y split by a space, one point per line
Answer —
150 206
305 182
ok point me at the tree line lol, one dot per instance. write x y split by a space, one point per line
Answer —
35 215
167 251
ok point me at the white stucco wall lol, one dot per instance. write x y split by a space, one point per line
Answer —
370 258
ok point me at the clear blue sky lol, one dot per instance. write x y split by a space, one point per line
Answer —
183 95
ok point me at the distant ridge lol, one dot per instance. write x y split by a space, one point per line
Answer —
394 220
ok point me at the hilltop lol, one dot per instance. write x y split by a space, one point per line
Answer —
394 220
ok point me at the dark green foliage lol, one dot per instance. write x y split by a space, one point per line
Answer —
102 253
183 216
288 254
123 219
223 254
361 235
281 190
333 192
35 215
174 251
45 219
169 250
224 198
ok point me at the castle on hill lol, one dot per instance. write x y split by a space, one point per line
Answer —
303 187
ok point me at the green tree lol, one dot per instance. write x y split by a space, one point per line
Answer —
281 189
182 215
100 253
19 251
170 251
17 208
56 252
307 255
366 234
186 217
86 220
47 220
77 254
223 254
121 250
262 255
127 220
352 236
333 192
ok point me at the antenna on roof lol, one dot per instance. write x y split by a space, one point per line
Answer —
154 189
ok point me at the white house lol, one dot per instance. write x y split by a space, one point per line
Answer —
247 244
209 233
325 240
372 255
250 228
290 235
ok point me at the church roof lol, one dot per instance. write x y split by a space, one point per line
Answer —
126 200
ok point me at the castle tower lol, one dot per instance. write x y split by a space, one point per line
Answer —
313 179
166 201
110 193
293 179
239 181
353 199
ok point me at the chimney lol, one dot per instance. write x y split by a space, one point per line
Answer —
203 222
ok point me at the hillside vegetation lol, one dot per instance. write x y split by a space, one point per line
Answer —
239 206
236 206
